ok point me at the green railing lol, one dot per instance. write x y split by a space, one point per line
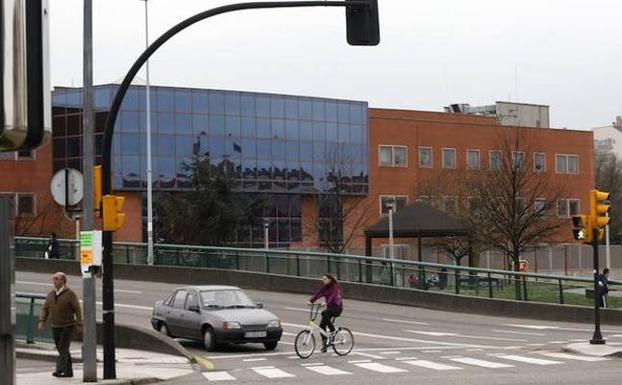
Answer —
28 308
352 268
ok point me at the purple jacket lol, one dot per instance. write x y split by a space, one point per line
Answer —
332 294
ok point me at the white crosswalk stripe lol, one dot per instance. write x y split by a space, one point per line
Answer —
376 367
482 363
431 365
218 376
529 360
271 372
327 370
577 357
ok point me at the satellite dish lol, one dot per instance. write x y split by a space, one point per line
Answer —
67 187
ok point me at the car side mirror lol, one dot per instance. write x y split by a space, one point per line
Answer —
259 305
194 308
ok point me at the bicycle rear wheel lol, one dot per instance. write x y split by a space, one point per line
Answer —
304 344
343 341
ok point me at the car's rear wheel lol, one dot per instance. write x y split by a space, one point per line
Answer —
270 345
163 329
209 340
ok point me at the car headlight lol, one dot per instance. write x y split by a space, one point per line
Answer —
231 325
274 324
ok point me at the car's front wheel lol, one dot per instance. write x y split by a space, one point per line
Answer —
270 345
163 329
209 340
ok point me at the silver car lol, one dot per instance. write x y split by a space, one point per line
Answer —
216 315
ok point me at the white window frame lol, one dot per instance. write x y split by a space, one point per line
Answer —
34 205
16 158
565 203
490 152
443 158
392 147
565 157
419 157
535 206
479 158
394 199
380 148
514 156
578 206
535 154
567 213
568 156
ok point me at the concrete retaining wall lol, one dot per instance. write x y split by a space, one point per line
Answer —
364 292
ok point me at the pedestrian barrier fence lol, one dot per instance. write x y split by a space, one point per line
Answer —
28 309
454 279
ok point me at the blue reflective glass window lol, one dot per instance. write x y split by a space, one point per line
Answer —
217 148
164 145
217 125
344 133
278 128
343 112
166 100
293 150
306 170
166 169
183 124
263 128
232 103
130 144
248 128
364 130
277 107
356 134
319 171
250 168
59 98
199 124
216 102
278 167
249 148
201 144
306 151
143 120
165 122
183 101
232 126
199 102
183 145
278 149
318 110
74 99
319 131
331 132
291 130
247 105
306 130
356 113
291 108
263 169
131 166
101 98
263 106
319 150
234 147
130 121
305 107
331 111
264 149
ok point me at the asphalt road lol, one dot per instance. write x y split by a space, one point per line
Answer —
403 345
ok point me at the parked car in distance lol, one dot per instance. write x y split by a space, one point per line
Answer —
216 315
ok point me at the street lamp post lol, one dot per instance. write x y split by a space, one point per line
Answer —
390 205
266 234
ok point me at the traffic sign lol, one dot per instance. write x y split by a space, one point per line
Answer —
67 187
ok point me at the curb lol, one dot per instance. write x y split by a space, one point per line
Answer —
613 352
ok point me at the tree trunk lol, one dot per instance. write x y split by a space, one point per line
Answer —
517 287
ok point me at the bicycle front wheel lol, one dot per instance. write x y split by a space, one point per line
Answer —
304 344
343 341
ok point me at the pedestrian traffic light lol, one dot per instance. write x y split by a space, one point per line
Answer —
112 210
97 190
599 207
362 22
582 230
25 92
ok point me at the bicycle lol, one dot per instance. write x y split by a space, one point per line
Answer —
341 340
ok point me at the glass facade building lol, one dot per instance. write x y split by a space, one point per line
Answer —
278 145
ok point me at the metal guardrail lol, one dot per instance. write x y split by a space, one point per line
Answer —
26 321
460 280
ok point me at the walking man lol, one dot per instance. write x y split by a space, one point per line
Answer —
63 309
52 249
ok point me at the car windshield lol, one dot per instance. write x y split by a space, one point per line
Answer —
226 299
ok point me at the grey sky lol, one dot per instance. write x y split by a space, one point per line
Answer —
564 53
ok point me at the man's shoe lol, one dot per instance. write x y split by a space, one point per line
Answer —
67 375
56 374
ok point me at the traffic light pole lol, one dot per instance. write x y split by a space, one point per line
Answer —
597 338
7 295
107 281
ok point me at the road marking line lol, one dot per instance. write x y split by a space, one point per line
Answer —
254 359
405 358
327 370
431 351
272 373
312 364
482 363
218 376
536 327
441 334
569 356
295 309
558 342
431 365
358 361
404 321
129 306
389 353
368 355
521 333
474 350
529 360
536 344
376 367
450 356
290 334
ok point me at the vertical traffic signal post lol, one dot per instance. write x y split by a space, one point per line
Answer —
362 29
599 208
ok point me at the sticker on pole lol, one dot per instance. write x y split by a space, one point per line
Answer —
90 250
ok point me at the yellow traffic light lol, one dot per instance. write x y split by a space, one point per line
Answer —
112 209
97 190
582 231
599 207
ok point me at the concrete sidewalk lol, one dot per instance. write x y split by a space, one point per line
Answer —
133 366
610 349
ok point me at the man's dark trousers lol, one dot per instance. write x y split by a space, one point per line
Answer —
62 339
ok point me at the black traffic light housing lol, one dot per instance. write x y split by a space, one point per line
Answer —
362 22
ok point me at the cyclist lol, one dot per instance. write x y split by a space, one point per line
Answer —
331 291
